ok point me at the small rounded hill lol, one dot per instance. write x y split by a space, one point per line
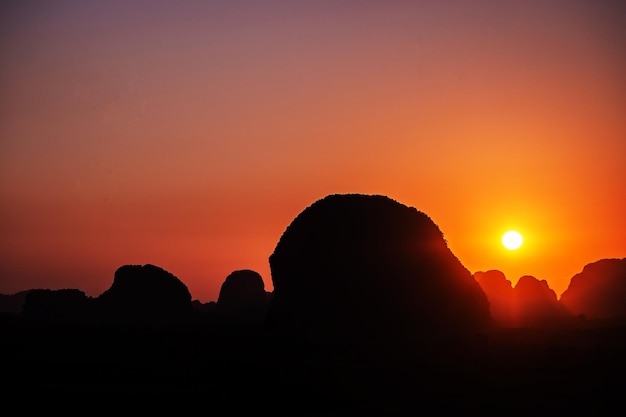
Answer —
355 267
145 294
242 297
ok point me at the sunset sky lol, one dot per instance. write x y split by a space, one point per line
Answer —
189 134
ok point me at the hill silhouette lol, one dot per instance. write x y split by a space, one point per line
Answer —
535 303
360 269
598 291
242 298
351 273
531 302
64 305
139 295
499 292
13 303
144 294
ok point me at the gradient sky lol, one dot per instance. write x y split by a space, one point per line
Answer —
189 134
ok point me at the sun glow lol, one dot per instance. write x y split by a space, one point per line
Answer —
512 240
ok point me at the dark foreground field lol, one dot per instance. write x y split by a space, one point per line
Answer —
217 371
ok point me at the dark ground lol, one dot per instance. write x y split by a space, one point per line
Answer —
216 371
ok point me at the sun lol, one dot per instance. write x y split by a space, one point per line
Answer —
512 240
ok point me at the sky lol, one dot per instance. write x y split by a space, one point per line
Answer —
189 134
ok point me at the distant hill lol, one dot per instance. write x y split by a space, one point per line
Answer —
63 305
531 302
139 295
13 303
598 291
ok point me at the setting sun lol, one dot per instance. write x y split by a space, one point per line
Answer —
512 240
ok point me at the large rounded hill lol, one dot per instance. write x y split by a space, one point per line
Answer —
354 267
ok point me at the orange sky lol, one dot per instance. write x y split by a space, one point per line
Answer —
189 134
